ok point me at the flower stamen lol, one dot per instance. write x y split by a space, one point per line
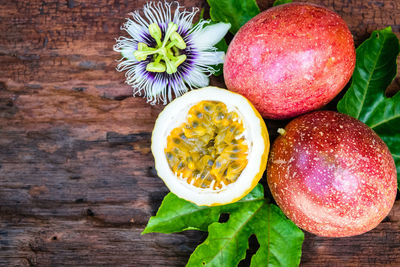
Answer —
172 27
162 51
155 32
156 67
178 40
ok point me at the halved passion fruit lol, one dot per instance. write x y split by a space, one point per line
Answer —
210 146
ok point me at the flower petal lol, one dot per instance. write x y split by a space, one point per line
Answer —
210 58
196 78
210 35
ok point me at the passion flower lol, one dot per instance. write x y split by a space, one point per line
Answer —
166 55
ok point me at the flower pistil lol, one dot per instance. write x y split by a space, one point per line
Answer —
166 55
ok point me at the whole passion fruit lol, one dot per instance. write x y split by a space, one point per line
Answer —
332 175
290 59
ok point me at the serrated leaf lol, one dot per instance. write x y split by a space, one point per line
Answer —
281 2
366 100
280 240
237 13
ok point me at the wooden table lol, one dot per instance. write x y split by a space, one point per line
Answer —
77 182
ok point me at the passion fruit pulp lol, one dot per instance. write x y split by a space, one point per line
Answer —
210 146
209 149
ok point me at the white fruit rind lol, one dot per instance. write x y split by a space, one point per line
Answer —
174 115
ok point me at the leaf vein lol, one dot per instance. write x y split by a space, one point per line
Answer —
385 121
369 81
238 230
199 209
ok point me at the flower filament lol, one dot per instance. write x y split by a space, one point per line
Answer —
166 54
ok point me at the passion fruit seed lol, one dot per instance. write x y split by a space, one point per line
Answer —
209 149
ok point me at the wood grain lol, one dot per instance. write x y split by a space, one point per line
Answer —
77 181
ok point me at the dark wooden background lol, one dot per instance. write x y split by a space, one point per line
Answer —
77 183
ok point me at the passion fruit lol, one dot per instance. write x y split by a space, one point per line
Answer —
332 175
290 59
210 146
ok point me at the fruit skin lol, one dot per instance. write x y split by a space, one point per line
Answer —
332 175
290 59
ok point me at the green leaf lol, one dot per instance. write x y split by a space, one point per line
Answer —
280 240
281 2
176 214
237 13
366 100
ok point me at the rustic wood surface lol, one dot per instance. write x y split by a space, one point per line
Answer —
77 183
